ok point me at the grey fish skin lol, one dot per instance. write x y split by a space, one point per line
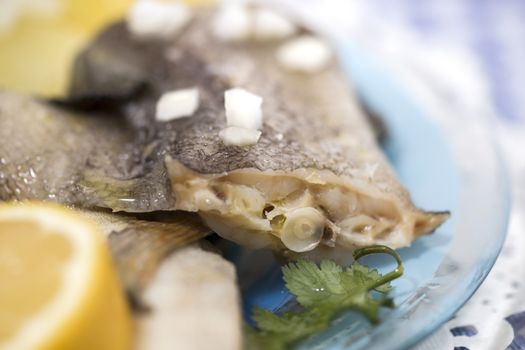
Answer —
46 153
317 150
310 136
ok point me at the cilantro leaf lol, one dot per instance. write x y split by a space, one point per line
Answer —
323 291
277 331
311 284
370 275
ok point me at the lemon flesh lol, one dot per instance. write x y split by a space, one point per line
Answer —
20 257
58 289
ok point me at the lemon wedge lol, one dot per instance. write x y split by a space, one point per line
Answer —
58 289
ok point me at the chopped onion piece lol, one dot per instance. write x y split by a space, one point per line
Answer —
303 229
236 136
243 109
157 19
269 25
232 23
306 54
177 104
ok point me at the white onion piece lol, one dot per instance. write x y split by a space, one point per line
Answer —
235 136
306 54
157 19
243 109
177 104
232 23
303 229
269 25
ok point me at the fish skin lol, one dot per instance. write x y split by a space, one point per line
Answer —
51 153
329 132
309 138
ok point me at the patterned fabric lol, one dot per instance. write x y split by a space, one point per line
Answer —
492 30
472 54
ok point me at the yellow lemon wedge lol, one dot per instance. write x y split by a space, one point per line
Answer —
58 288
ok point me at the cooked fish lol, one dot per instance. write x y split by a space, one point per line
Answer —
185 295
315 179
194 304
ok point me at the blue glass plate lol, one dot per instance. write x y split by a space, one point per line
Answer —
444 169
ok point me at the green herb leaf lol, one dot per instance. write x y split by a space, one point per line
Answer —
276 332
323 291
311 284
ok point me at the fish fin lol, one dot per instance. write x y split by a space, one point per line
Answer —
428 221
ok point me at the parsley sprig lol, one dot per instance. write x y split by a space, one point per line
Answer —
323 291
